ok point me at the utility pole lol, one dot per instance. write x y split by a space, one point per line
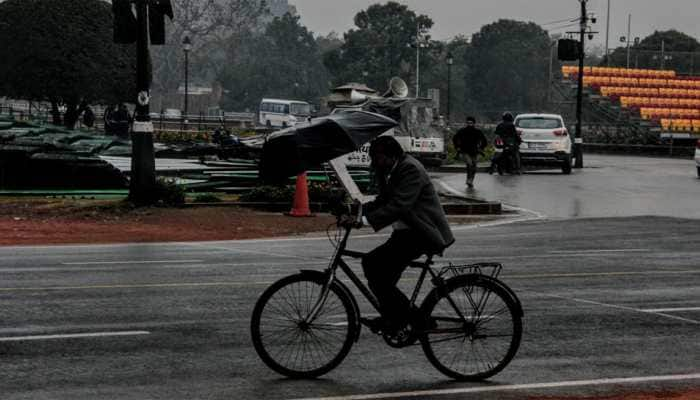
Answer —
450 61
578 140
607 37
551 73
663 56
418 61
629 32
130 29
143 171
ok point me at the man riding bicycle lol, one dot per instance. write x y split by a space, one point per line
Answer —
409 203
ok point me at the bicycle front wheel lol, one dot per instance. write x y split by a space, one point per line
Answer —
478 341
293 346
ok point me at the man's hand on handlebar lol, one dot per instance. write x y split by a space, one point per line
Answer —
349 221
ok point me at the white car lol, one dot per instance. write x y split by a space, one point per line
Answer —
697 157
545 141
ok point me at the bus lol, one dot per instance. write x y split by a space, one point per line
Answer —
283 113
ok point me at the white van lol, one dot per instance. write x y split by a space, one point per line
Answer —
282 113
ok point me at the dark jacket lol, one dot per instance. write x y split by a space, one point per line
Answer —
506 130
408 195
469 140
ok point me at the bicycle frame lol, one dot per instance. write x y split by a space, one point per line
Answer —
338 262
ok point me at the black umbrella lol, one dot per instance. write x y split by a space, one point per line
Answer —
294 150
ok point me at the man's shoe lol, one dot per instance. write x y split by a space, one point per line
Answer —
377 325
470 185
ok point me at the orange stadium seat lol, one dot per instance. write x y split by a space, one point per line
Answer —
696 125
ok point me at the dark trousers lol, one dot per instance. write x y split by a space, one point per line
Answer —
471 162
383 267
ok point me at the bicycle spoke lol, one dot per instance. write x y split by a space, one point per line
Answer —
291 343
474 340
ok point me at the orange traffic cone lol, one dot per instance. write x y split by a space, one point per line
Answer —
300 208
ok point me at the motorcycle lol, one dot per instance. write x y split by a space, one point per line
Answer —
506 161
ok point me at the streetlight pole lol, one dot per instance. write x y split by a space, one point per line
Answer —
578 140
143 171
186 47
450 61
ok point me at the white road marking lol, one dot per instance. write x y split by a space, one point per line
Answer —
133 262
584 251
534 215
72 336
135 286
692 321
269 282
677 309
258 252
503 388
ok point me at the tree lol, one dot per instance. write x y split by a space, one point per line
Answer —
434 75
217 29
507 67
329 42
678 51
380 46
283 62
62 51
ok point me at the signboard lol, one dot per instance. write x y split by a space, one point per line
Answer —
359 158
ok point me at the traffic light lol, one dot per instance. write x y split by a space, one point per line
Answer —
569 49
124 22
157 11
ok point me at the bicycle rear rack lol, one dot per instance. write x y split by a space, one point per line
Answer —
492 269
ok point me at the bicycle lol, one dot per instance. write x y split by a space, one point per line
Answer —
305 324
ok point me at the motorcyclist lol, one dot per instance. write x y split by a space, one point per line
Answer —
511 140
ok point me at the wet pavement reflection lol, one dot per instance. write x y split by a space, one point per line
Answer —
607 186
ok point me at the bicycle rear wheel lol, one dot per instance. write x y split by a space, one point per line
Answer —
482 343
293 347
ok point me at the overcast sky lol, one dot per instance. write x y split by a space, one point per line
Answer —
454 17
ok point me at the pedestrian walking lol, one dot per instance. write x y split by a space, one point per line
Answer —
470 142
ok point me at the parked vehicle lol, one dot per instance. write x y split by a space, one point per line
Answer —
545 141
697 157
283 113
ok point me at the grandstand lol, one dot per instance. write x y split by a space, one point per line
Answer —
661 97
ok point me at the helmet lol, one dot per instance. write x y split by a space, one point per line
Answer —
507 116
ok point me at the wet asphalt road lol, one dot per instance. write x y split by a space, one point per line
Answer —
604 298
608 186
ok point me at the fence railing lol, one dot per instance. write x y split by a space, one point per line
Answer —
161 121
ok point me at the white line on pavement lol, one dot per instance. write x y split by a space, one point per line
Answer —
502 388
134 286
269 282
72 336
583 251
259 252
597 303
133 262
677 309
